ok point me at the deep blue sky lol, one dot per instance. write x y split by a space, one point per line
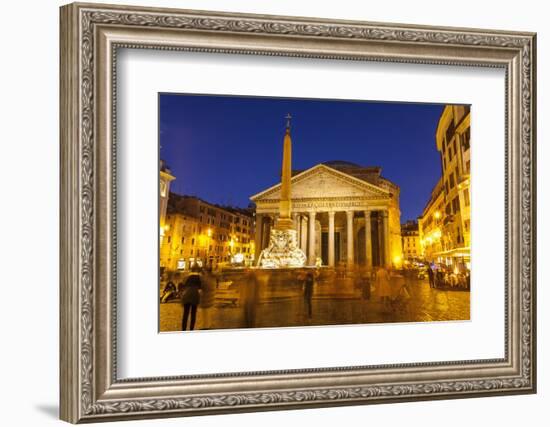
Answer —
225 149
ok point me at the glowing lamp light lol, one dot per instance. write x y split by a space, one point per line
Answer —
437 215
209 232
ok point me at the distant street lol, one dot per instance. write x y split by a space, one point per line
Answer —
424 305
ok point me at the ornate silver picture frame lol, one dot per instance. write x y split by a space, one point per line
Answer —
91 390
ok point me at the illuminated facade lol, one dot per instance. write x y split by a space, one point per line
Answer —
197 231
343 213
411 241
430 223
165 179
446 239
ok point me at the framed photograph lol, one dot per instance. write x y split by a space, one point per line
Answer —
267 212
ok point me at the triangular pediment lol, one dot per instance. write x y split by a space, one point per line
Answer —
323 181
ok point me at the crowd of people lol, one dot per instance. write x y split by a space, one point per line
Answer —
199 287
443 277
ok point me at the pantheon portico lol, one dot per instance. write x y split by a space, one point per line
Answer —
343 213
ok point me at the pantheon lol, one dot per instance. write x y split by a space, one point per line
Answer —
343 213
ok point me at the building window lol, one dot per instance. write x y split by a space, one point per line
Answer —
169 238
465 139
192 241
183 240
450 132
456 205
451 180
466 197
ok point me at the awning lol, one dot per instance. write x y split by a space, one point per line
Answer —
463 252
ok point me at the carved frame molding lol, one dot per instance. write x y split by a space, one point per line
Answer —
90 36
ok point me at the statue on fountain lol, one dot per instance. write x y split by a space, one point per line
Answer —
283 250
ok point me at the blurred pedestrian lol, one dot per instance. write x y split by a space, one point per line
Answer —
190 297
250 297
383 286
439 279
365 278
431 277
309 284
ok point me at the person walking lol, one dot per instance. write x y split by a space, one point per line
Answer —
439 279
365 283
383 286
309 283
190 297
431 276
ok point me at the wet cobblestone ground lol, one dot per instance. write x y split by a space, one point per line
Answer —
424 305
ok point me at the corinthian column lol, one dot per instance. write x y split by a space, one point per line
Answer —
311 238
296 224
368 242
331 239
303 233
349 216
386 228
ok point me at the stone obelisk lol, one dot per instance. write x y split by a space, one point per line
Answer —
284 222
283 250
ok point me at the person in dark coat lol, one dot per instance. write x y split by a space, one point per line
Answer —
439 279
431 277
309 283
190 298
365 279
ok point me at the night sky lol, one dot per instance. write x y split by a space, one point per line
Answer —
225 149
